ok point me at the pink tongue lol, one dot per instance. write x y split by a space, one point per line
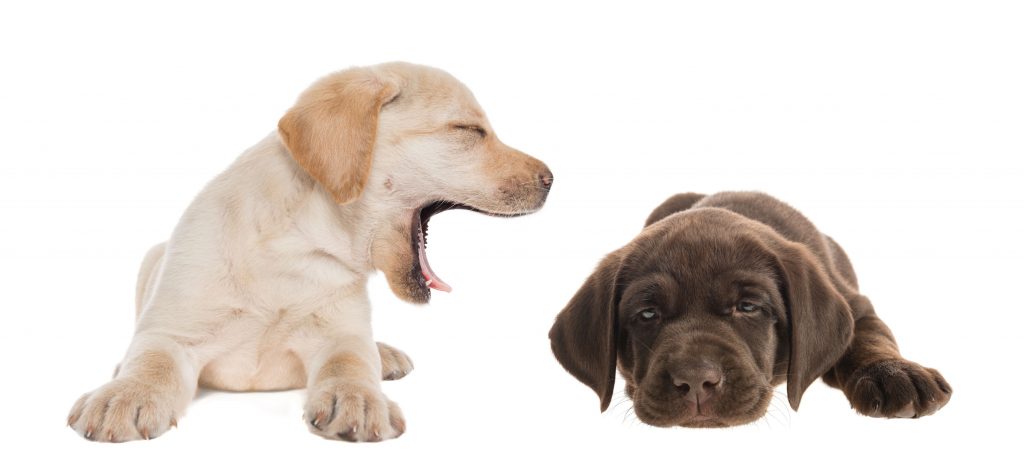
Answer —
432 280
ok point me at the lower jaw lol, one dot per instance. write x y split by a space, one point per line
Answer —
407 286
400 267
420 292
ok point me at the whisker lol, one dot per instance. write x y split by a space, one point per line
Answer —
778 410
632 417
642 343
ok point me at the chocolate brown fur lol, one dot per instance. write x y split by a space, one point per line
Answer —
719 299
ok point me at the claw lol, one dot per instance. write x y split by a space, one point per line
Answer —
348 435
907 411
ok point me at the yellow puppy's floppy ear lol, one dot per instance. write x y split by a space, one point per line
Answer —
332 129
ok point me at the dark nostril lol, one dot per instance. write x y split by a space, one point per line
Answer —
711 379
546 179
684 387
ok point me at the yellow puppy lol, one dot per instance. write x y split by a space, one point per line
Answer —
262 285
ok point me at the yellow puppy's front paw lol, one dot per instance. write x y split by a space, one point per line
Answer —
123 410
352 412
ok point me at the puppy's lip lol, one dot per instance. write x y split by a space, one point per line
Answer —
704 422
448 205
663 412
423 274
702 419
656 412
675 416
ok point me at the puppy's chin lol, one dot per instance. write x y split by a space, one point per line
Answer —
409 287
393 256
677 412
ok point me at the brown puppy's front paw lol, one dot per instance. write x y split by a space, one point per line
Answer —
123 410
394 363
897 388
352 412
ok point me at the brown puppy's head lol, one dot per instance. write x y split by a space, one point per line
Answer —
399 143
703 313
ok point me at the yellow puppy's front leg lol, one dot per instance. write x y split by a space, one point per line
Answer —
151 390
345 400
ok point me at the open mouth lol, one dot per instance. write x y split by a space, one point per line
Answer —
421 220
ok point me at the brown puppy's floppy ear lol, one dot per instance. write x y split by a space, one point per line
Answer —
332 129
820 320
672 205
584 334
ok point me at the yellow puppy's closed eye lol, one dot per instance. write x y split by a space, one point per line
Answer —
471 128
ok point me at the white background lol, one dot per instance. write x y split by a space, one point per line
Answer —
895 126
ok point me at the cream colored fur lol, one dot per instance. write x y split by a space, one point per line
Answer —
262 284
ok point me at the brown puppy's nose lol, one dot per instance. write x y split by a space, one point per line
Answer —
697 382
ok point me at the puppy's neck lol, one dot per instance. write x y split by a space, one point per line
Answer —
293 206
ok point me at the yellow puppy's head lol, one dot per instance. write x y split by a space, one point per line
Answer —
404 142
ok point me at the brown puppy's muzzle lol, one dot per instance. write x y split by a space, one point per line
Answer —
700 379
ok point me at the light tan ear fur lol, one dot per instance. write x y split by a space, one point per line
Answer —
332 129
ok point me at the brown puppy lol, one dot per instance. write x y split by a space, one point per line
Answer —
719 299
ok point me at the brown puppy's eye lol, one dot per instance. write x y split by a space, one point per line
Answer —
472 128
648 315
746 307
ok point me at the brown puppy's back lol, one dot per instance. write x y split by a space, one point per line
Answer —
778 215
